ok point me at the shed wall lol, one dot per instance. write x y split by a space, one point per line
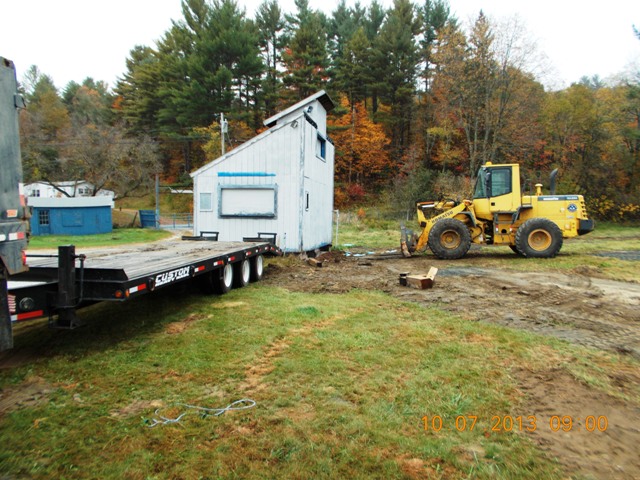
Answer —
271 163
71 221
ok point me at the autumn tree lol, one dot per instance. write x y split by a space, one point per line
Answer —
361 147
44 126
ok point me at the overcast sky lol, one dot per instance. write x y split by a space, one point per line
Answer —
75 39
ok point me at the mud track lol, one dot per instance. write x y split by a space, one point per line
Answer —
575 307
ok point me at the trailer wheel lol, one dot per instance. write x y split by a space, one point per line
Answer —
241 273
539 238
449 239
224 280
257 268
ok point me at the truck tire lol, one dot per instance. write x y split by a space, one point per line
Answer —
449 239
241 273
257 268
539 238
515 250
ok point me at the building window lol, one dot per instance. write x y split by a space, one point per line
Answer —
205 202
248 201
43 217
34 193
321 147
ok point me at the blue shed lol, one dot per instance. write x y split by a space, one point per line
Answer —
70 216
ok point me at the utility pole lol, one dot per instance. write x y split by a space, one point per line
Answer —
223 130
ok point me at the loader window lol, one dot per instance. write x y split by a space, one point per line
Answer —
496 180
500 181
480 184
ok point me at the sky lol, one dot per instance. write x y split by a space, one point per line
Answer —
74 39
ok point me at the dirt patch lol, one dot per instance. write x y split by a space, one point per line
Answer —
255 373
577 307
593 434
179 327
30 393
136 408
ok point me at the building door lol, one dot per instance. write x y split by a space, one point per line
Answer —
44 222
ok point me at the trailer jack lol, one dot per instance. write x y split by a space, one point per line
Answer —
67 301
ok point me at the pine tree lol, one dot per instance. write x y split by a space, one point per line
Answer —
270 23
306 57
397 53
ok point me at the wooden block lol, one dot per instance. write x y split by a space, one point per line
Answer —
315 263
422 281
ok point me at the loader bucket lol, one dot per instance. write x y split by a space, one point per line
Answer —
407 241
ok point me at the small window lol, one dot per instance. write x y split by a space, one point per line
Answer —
43 217
321 147
205 202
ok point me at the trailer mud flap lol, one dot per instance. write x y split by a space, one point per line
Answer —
6 332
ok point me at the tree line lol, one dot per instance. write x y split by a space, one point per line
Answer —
422 100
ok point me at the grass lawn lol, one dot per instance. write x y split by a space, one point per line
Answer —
119 236
342 383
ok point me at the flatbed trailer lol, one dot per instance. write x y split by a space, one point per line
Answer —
56 285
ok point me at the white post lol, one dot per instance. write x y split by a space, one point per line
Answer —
337 227
157 200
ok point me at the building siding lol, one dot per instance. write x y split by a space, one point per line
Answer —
283 159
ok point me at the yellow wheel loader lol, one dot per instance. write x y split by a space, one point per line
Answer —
531 225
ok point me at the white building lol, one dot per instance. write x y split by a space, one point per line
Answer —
280 182
74 188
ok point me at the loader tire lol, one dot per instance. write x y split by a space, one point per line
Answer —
449 239
539 238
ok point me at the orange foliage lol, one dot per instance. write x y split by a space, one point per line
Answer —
361 146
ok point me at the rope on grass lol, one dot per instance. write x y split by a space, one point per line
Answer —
242 404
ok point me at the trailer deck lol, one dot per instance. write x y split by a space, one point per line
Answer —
60 283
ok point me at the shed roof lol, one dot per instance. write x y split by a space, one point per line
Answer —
321 96
70 202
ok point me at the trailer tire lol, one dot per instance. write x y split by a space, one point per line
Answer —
449 239
223 279
241 273
539 238
257 268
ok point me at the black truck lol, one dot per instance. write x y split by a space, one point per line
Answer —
14 222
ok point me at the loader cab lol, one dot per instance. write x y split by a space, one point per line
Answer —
497 190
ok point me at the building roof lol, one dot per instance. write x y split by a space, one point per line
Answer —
321 96
70 202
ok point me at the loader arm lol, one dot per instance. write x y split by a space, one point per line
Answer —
427 223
